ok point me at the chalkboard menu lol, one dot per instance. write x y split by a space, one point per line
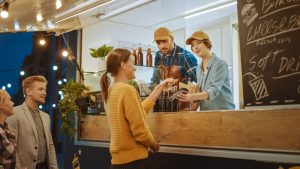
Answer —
270 51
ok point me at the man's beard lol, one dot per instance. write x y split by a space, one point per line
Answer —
165 51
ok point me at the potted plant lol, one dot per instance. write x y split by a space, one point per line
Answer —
100 52
73 102
134 84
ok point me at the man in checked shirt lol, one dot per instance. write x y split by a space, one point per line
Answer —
172 61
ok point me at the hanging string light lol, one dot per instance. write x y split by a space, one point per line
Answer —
71 57
58 4
22 73
54 67
42 41
39 17
4 12
59 82
65 53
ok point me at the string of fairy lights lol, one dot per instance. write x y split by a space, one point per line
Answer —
22 73
66 52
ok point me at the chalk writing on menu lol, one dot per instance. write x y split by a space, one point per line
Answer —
270 51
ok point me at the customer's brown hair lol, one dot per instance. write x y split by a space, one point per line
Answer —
113 64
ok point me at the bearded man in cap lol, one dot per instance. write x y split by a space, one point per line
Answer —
172 61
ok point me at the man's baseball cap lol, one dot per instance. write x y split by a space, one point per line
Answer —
162 33
199 35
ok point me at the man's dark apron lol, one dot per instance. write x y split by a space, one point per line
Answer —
173 71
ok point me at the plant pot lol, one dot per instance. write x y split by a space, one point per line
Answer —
101 64
83 104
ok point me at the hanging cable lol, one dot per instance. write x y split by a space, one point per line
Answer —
71 57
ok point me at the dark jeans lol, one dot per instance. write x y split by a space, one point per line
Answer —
138 164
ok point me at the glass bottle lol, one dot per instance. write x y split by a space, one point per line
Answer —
149 57
140 56
136 60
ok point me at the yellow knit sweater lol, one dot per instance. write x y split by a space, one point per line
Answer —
130 135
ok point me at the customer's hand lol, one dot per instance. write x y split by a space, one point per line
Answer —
166 83
154 147
184 97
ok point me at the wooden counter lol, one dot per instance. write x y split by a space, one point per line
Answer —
251 130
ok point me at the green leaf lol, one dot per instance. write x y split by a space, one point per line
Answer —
100 52
67 106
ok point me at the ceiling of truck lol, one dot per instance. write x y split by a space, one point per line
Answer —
65 15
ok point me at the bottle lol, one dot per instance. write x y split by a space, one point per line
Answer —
149 57
135 57
140 56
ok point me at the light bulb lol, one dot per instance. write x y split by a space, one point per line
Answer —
54 67
65 53
22 73
39 17
42 42
58 4
4 12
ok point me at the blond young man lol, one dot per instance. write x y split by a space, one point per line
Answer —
31 126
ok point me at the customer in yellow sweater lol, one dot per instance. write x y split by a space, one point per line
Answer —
130 135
